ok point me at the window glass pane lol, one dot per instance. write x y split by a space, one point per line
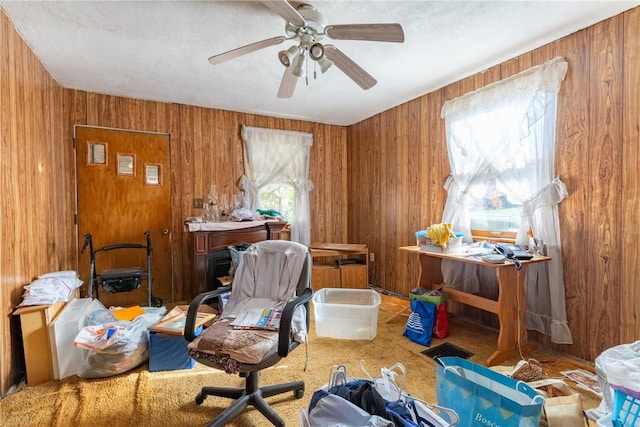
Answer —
152 175
492 210
492 206
126 164
279 198
97 153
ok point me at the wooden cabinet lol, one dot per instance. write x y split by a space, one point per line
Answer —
340 265
206 238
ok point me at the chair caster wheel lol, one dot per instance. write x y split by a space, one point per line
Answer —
298 393
200 398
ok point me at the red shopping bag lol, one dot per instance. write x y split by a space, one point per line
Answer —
441 323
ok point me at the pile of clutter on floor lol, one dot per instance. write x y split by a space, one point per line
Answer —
86 338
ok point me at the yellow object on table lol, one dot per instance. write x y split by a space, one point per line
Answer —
440 234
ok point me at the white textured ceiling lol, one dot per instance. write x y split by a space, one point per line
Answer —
158 50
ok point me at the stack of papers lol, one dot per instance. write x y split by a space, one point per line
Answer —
258 318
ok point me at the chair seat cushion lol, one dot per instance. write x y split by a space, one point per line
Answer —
245 346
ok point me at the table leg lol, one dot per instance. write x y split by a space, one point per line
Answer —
512 339
430 272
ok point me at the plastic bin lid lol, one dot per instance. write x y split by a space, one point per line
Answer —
425 233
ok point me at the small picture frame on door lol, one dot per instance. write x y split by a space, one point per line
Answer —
126 164
152 174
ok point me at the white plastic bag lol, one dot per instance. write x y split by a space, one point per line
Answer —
128 349
52 287
97 337
603 363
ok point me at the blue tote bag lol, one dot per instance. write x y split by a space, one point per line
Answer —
419 327
483 397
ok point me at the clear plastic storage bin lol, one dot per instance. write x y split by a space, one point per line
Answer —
346 313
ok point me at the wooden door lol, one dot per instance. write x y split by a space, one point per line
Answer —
123 190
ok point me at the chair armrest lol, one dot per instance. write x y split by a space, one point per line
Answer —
194 307
284 336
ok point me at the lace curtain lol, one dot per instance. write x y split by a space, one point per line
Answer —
505 133
276 157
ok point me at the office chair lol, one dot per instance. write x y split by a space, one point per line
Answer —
271 274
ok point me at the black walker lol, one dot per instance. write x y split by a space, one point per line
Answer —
120 279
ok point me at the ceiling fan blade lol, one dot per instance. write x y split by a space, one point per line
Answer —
288 83
288 12
217 59
350 68
369 32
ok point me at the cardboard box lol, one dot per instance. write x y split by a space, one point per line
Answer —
35 321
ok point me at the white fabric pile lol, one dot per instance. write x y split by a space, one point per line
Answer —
49 288
617 366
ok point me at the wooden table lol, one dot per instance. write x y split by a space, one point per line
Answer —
510 306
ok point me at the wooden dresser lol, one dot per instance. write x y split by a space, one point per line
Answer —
209 237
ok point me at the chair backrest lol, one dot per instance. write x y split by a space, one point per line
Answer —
270 273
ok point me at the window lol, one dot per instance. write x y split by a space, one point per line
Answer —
501 146
276 175
152 174
279 198
96 153
495 199
495 202
126 164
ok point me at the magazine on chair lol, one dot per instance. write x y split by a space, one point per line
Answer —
258 318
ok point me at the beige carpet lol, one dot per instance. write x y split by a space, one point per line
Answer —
143 398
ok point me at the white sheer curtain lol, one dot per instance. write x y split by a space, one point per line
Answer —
276 157
505 134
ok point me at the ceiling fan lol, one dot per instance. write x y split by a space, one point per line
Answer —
308 27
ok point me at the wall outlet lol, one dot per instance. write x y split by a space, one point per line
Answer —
372 257
197 203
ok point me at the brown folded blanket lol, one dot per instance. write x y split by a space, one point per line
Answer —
243 345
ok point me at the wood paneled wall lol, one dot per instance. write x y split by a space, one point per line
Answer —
36 187
401 155
630 191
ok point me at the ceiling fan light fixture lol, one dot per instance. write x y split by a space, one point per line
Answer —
325 64
298 68
286 56
316 51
